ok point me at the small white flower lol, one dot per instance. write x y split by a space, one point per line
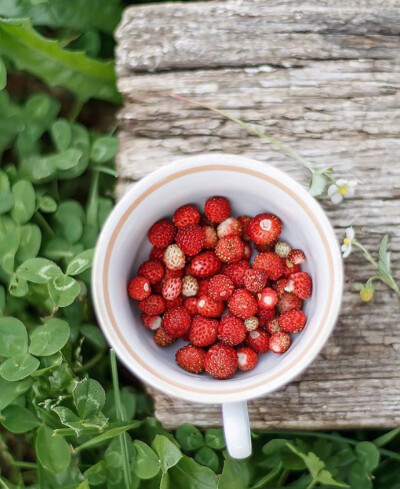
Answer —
340 189
348 241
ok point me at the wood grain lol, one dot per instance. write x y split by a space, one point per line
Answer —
325 80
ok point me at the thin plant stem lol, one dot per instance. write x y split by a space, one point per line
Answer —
24 465
366 253
312 484
92 362
40 476
3 484
43 223
282 478
76 109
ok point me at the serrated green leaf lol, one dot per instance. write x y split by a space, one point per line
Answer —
317 184
44 58
313 463
325 477
49 338
63 290
19 367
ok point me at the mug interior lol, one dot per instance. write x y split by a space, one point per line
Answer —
251 188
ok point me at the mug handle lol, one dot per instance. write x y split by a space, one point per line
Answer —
237 429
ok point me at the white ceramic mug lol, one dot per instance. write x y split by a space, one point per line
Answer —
252 187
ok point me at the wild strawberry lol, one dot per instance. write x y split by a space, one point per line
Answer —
251 323
247 251
176 321
151 322
157 287
205 264
242 304
217 209
186 215
279 342
271 263
231 331
172 304
265 315
267 298
139 288
230 249
279 286
244 221
162 234
229 227
289 302
264 228
191 359
221 361
282 249
247 358
289 269
172 289
296 257
220 287
210 237
206 222
258 340
236 272
203 331
190 286
174 257
209 307
191 305
162 338
157 253
272 326
292 321
265 247
190 240
255 280
153 270
300 284
152 305
173 274
203 287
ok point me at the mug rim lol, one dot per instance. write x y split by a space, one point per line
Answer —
120 213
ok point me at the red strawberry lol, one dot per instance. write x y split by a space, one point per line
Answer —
153 270
173 274
247 251
220 287
231 331
152 305
265 247
251 323
191 305
157 253
300 284
247 358
255 280
289 302
162 338
292 321
157 288
151 322
242 304
244 221
271 263
186 215
209 307
230 249
267 298
172 304
172 289
272 326
162 234
236 272
203 287
279 286
221 361
205 264
282 249
203 331
229 227
191 359
174 257
264 228
139 288
258 340
289 269
296 257
190 286
190 240
210 237
217 209
265 315
279 342
176 321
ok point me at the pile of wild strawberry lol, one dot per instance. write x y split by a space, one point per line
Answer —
199 285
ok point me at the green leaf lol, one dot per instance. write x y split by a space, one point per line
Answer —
313 463
358 478
165 481
61 134
368 455
128 404
18 287
107 435
19 367
30 241
2 300
38 270
235 475
325 477
317 184
97 473
44 58
65 160
168 453
207 457
11 390
147 463
18 419
89 397
69 418
383 440
63 290
188 474
49 338
6 196
3 74
215 438
47 204
189 437
8 248
52 451
384 258
93 335
104 148
24 201
81 262
13 337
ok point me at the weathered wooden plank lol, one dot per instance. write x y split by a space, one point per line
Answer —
325 80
